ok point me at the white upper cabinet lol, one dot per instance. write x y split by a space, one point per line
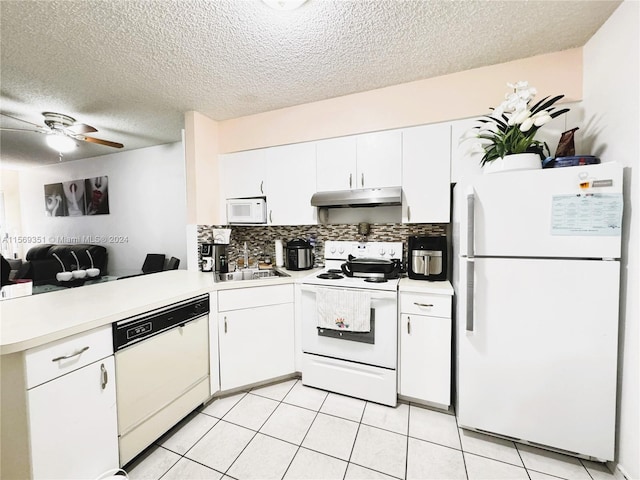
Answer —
360 161
465 162
242 174
426 159
379 159
336 166
290 183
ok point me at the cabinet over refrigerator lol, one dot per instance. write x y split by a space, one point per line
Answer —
537 277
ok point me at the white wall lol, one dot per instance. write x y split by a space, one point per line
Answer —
10 220
147 202
611 105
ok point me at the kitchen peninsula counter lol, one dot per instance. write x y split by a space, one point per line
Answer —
35 320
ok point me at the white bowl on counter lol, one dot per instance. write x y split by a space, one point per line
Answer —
93 272
79 273
64 276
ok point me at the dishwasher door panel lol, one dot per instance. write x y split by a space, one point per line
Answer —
154 372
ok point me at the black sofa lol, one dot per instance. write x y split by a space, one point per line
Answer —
41 266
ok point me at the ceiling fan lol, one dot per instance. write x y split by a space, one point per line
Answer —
61 131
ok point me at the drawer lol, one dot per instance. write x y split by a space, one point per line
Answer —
254 297
63 356
425 304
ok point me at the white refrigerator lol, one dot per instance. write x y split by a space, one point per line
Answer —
536 278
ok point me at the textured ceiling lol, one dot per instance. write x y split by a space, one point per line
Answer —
132 68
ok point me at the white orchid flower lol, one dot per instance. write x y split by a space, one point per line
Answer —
541 120
473 149
519 117
526 125
527 94
515 105
519 84
469 134
506 106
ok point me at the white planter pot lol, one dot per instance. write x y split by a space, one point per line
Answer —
516 161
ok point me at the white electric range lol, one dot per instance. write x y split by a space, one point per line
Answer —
359 364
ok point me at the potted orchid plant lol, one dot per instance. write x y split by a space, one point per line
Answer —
512 126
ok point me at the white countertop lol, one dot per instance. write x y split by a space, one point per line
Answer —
34 320
423 286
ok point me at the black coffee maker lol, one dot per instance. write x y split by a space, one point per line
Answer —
214 257
427 258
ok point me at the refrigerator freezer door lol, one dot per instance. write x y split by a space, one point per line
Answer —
540 362
514 211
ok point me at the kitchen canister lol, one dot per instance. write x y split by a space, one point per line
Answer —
279 254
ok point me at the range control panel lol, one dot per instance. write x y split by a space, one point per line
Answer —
340 250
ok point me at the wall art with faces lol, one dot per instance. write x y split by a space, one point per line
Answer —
89 196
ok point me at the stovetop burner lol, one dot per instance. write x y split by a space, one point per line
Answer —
375 279
330 276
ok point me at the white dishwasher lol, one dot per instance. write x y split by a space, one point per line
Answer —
162 371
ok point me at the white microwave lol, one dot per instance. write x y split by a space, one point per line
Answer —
246 210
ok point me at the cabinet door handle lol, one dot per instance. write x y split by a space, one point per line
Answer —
225 324
64 357
426 305
104 376
409 325
270 216
261 185
408 213
362 179
350 180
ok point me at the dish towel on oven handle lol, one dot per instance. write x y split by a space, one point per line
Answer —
346 310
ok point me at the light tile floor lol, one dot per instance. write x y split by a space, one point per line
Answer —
290 431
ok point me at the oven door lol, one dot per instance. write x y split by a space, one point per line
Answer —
377 348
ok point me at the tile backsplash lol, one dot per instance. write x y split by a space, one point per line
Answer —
261 239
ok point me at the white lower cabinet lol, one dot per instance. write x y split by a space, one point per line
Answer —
425 348
73 424
58 408
255 335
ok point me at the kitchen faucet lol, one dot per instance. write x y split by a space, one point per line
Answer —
246 256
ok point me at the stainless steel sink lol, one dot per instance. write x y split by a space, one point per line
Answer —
248 274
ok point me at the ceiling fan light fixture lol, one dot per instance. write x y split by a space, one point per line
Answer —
284 4
61 143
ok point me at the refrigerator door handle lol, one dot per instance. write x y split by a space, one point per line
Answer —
470 224
470 288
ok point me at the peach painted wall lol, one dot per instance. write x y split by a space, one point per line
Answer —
201 164
458 95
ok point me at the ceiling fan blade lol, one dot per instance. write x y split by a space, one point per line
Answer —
78 128
20 120
99 141
21 130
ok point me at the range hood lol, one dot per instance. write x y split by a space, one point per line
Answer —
362 197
